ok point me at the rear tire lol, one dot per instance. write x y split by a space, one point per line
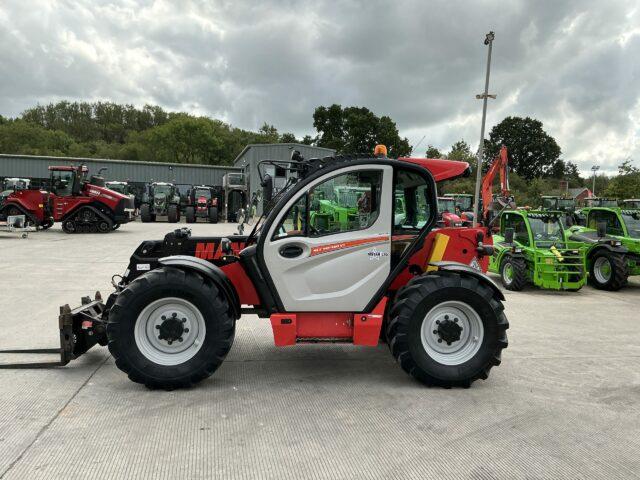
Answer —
513 272
173 214
213 214
426 305
145 213
159 363
190 214
608 270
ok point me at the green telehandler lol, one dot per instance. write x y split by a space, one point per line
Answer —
531 248
611 241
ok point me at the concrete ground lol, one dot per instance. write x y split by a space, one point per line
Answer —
565 403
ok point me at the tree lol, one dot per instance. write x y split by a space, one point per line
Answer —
25 138
288 138
269 133
532 152
433 152
461 151
357 130
626 184
187 139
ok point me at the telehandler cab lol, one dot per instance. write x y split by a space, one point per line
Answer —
171 320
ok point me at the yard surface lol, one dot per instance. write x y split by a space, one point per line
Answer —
565 403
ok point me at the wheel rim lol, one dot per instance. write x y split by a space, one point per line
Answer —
172 319
602 269
448 341
507 273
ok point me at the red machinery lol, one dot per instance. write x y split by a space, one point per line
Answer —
202 203
492 205
81 205
386 273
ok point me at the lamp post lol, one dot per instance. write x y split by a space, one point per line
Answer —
484 97
594 169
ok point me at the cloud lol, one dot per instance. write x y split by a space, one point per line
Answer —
571 64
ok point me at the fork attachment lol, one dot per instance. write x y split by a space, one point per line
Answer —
80 329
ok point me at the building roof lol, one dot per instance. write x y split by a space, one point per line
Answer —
574 192
111 160
290 145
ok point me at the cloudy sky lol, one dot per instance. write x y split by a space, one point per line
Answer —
574 65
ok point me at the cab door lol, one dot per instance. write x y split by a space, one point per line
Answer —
62 189
329 247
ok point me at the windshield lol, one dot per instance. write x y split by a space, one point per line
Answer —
632 220
565 203
203 192
545 229
464 202
161 189
118 187
446 205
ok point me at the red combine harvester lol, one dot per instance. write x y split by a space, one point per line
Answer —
492 204
81 205
386 273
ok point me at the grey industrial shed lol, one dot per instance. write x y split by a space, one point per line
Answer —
252 154
30 166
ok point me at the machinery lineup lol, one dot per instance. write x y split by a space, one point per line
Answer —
83 204
356 249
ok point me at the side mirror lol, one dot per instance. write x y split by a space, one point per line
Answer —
508 235
267 188
602 229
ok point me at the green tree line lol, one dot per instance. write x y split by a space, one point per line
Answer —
111 130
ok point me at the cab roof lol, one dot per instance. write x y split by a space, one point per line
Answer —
441 169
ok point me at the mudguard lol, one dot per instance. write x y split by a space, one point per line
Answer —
214 273
468 270
606 246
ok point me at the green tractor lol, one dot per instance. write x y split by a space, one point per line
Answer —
567 206
160 199
531 248
611 241
631 204
600 202
339 208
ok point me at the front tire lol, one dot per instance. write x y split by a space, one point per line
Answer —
608 270
155 311
213 214
513 272
428 342
145 213
173 214
190 214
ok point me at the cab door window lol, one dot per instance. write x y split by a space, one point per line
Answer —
343 203
520 232
62 182
412 205
614 227
412 211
